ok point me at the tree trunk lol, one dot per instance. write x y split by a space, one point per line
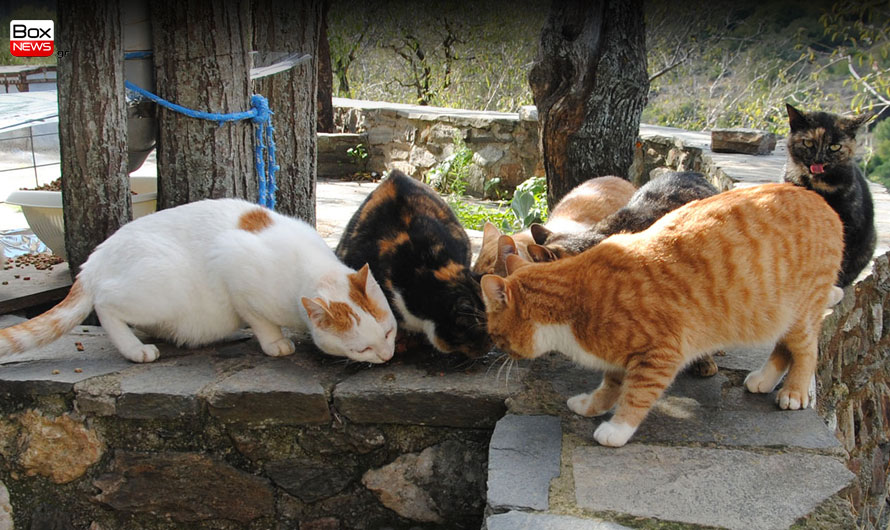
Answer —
202 62
290 27
325 76
590 84
92 125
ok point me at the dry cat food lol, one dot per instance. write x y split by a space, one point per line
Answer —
40 261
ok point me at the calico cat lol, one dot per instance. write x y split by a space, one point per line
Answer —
193 274
749 266
418 250
821 147
585 205
649 203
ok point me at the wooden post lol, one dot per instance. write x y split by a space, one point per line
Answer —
202 62
92 125
292 26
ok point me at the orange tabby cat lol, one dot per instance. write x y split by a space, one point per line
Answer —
746 267
587 204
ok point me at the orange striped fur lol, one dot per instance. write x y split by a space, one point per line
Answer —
745 267
49 326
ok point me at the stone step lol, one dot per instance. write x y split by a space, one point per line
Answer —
709 454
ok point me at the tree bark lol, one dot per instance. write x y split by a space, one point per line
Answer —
202 62
92 126
590 84
290 27
325 76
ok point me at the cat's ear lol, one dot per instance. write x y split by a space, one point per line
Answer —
796 118
494 292
490 232
361 276
853 123
317 311
506 247
515 262
540 233
541 254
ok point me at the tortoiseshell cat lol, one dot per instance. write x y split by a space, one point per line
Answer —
585 205
821 147
654 199
420 254
749 266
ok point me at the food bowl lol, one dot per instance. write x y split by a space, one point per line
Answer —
43 210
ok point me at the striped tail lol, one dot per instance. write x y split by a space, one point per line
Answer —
49 326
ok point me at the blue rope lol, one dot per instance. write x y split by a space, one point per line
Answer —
259 114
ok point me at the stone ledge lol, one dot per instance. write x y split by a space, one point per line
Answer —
414 396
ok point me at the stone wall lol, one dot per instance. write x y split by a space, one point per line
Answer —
227 438
854 387
414 138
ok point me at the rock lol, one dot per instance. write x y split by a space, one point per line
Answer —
745 141
49 517
61 449
324 523
523 458
410 396
542 521
6 520
184 487
308 479
727 488
164 389
442 481
278 391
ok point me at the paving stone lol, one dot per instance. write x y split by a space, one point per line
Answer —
523 457
541 521
39 377
408 395
745 359
164 389
277 390
746 141
11 320
738 490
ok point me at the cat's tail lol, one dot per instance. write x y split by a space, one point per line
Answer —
49 326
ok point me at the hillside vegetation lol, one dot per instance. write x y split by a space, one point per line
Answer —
711 64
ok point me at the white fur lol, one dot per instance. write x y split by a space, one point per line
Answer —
763 380
565 225
412 322
559 337
190 275
613 434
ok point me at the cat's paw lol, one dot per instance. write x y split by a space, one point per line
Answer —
613 434
792 399
582 405
279 348
762 381
145 353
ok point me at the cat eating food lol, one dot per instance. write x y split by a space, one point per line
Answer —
821 148
420 253
648 204
195 273
585 205
749 266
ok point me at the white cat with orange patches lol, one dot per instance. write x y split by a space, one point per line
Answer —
198 272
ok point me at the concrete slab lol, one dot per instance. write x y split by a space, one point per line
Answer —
728 488
277 391
535 521
164 389
523 457
410 395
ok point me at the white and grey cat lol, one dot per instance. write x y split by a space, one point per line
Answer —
196 273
